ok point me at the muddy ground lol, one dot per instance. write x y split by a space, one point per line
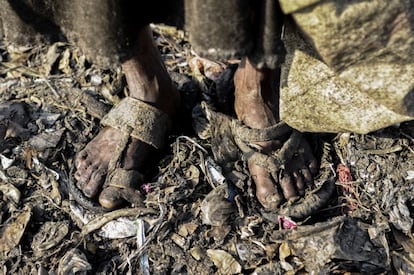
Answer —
198 216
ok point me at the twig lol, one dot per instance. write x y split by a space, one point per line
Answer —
390 150
50 87
103 219
193 142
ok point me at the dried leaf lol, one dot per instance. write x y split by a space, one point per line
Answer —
216 209
224 261
49 235
252 254
197 253
179 240
64 63
72 262
47 139
187 229
11 192
284 251
55 194
400 216
50 58
6 162
13 232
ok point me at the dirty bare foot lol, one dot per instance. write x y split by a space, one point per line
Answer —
147 80
257 106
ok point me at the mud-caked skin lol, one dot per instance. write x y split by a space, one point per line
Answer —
344 60
148 80
257 106
119 37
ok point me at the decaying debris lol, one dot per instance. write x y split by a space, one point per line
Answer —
200 213
225 263
12 232
100 220
74 261
10 192
229 141
216 208
403 260
49 235
341 238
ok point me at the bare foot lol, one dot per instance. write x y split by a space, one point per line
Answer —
148 80
257 105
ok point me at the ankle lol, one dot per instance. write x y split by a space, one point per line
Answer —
256 95
150 82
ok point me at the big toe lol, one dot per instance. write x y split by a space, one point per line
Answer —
266 192
110 197
96 180
269 200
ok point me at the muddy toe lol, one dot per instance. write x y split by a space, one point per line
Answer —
271 201
299 172
266 191
300 182
111 197
288 186
95 182
121 185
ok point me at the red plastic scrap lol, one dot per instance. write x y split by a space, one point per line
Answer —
286 223
344 174
345 179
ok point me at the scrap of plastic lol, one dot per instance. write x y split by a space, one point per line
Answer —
214 172
141 242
